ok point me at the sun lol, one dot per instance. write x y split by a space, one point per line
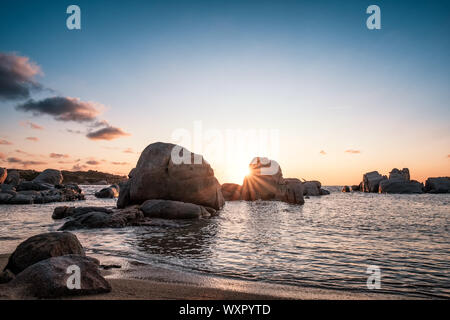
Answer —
236 172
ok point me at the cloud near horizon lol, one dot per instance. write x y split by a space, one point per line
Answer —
322 152
24 163
17 76
34 139
31 125
58 155
62 109
353 151
93 162
107 133
5 142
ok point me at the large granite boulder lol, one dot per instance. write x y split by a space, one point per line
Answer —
266 182
170 172
41 247
168 209
53 278
110 192
437 185
231 191
399 185
371 181
3 175
50 176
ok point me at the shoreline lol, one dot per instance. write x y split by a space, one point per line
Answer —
138 281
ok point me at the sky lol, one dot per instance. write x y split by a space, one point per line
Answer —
305 83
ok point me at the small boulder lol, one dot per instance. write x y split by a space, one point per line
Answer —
65 211
50 278
50 176
355 187
346 189
41 247
110 192
437 185
99 219
311 188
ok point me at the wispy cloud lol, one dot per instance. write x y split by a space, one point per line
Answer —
119 163
31 125
79 167
93 162
58 155
34 139
5 142
108 133
2 156
17 76
322 152
128 150
24 163
352 151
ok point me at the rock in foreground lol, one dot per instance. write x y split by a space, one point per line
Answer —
49 278
41 247
50 176
158 176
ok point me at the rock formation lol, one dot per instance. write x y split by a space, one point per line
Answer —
42 189
265 182
371 181
437 185
160 174
346 189
3 175
111 192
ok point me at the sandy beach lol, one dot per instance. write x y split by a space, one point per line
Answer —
144 282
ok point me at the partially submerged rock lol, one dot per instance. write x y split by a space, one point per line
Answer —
65 211
397 185
118 218
109 192
50 278
41 247
356 187
168 209
345 189
168 171
437 185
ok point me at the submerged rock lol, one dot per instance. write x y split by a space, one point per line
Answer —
30 192
91 219
65 211
437 185
168 171
41 247
49 278
110 192
168 209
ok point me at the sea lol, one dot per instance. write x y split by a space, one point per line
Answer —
378 243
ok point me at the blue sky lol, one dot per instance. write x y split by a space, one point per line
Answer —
310 69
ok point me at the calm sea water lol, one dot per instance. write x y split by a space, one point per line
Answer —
328 243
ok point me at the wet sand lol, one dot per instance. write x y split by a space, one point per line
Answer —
138 281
